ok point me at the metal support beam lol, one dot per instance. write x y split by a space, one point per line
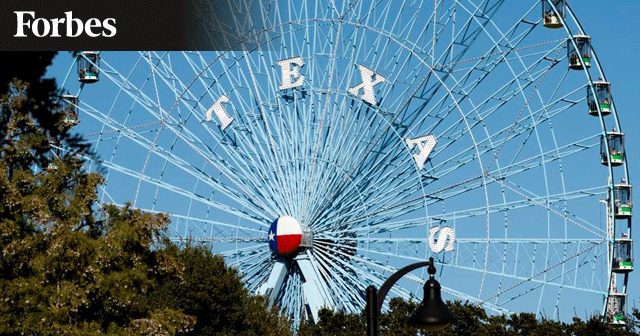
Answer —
315 290
272 287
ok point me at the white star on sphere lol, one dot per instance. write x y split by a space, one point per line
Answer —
271 235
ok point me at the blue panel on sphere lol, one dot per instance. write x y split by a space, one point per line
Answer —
273 244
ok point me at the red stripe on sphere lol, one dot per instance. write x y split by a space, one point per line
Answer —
288 243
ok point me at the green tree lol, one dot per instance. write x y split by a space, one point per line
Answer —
200 284
472 320
72 266
332 323
30 67
634 320
395 320
63 271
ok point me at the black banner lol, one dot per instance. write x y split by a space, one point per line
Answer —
130 25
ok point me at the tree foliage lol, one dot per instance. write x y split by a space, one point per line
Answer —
30 67
201 285
472 320
73 266
63 271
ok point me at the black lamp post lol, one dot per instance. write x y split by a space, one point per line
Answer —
432 314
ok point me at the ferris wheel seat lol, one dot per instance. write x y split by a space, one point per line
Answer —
616 160
623 267
552 21
575 64
618 319
88 78
71 120
623 212
594 112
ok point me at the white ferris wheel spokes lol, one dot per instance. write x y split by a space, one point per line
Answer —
357 137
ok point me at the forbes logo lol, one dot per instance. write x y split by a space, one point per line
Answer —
74 27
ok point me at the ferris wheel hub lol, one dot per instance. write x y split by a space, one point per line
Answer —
285 236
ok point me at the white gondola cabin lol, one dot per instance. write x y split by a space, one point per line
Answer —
88 63
616 309
70 109
622 200
601 99
622 255
553 13
579 58
616 153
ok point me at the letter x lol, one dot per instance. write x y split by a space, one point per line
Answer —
368 82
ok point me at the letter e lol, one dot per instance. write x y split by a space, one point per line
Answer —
92 23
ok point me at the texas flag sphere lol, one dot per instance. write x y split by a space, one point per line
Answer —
285 235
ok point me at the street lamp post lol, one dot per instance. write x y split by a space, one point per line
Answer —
432 314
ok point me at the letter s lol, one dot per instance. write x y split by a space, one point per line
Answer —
21 23
109 27
446 234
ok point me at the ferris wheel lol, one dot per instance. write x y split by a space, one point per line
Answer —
347 139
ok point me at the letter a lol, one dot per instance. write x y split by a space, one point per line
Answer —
368 82
425 146
223 117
